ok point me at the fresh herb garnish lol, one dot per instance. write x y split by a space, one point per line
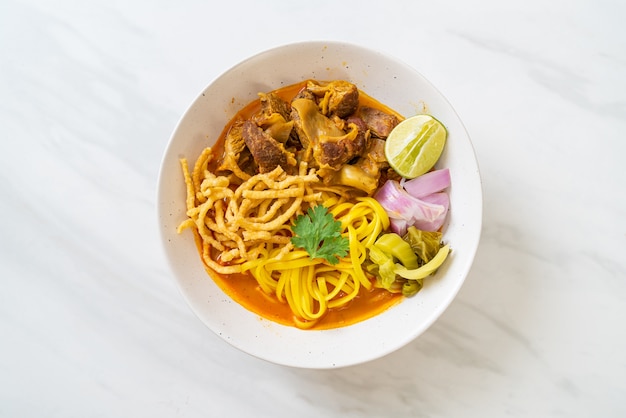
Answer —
320 235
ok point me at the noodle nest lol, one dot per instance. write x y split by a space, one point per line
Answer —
244 225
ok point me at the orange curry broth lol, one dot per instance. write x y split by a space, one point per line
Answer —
243 287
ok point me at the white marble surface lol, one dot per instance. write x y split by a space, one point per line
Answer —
91 322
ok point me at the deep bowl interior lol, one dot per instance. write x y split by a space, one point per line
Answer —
391 82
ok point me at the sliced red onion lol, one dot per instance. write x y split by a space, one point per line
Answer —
440 198
405 210
396 201
399 226
438 205
429 183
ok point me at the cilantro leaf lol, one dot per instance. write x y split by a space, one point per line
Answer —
320 235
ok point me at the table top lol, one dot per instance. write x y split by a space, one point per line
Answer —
91 320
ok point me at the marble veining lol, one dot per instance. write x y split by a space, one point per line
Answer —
91 321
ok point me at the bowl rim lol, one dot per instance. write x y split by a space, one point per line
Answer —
469 250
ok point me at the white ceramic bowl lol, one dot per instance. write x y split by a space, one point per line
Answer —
392 83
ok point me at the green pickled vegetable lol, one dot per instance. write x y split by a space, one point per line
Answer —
411 287
377 255
387 273
372 268
397 265
392 244
382 267
427 269
423 243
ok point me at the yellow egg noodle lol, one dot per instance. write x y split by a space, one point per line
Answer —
250 226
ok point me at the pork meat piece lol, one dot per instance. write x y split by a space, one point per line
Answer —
266 151
339 97
379 123
305 94
335 154
351 146
326 140
271 103
237 158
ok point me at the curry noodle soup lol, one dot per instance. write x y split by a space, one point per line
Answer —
283 207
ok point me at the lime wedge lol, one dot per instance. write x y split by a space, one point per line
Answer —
415 144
